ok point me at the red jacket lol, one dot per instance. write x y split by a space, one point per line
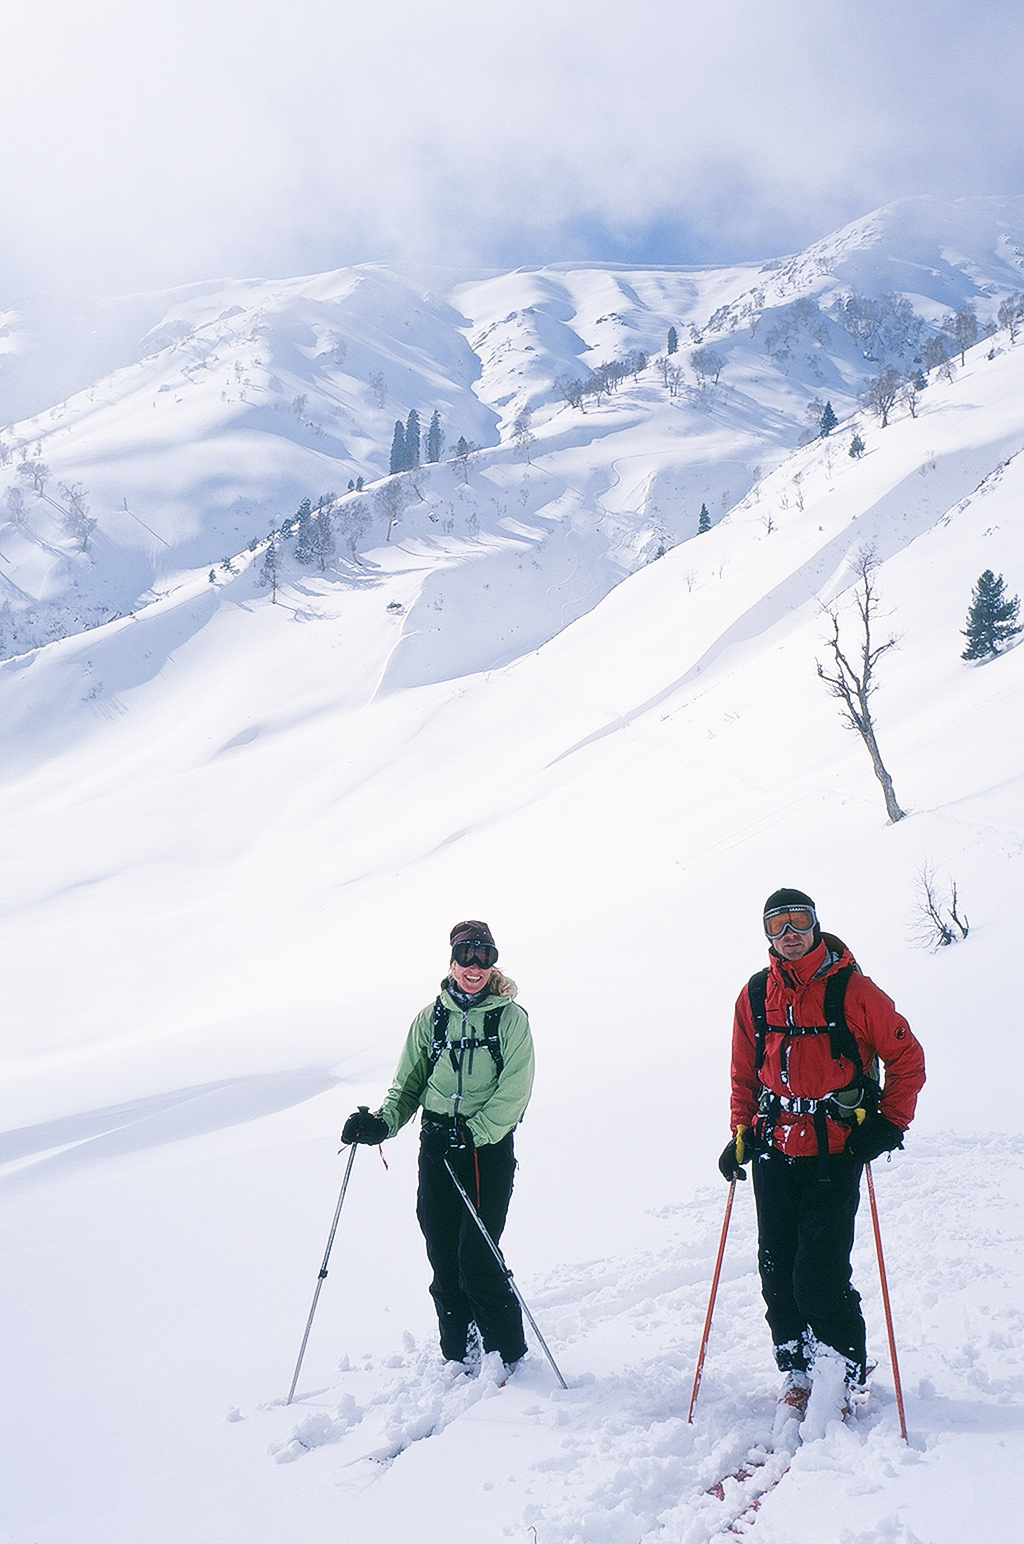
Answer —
802 1066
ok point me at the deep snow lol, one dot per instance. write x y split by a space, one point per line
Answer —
236 835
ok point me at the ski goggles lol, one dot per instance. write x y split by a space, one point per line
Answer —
796 919
472 951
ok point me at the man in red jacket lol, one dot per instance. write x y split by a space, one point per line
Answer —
808 1036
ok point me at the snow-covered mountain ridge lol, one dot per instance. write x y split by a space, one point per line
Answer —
226 404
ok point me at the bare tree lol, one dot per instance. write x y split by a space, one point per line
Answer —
880 393
962 327
571 390
935 356
909 393
354 518
15 505
36 472
522 433
390 501
1011 314
708 364
936 919
77 520
854 683
379 386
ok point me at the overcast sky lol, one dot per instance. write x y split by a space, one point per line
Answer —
153 142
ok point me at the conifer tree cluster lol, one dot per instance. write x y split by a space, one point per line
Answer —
405 443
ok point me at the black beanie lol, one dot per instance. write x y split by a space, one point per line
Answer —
780 899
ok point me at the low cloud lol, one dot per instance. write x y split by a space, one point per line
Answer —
154 146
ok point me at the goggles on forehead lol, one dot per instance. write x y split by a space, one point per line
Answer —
798 919
473 951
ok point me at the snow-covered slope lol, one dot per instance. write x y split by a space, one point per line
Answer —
157 436
237 832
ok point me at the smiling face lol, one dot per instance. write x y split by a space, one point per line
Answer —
470 978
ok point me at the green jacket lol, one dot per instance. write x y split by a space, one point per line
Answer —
491 1103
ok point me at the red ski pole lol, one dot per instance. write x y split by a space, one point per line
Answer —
888 1306
711 1303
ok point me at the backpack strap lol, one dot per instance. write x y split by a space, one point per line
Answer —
439 1032
492 1018
842 1043
439 1037
841 1036
757 993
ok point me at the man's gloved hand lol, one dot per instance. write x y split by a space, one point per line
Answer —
364 1127
874 1136
448 1136
742 1147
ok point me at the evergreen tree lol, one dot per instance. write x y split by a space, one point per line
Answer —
412 440
435 437
463 451
827 421
703 520
269 569
992 618
673 340
304 536
397 462
322 543
856 447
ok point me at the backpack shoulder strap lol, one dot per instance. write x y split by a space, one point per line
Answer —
841 1036
492 1018
757 994
439 1032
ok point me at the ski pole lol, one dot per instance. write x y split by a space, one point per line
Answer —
323 1269
888 1307
496 1252
711 1301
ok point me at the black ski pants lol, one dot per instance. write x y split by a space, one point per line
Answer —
805 1235
469 1286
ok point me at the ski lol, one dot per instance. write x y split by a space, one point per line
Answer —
765 1468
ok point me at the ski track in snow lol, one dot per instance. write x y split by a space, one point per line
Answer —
629 1468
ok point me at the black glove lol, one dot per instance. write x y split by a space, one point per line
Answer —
364 1127
737 1152
451 1135
874 1136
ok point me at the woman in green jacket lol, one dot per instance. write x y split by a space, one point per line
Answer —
468 1064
